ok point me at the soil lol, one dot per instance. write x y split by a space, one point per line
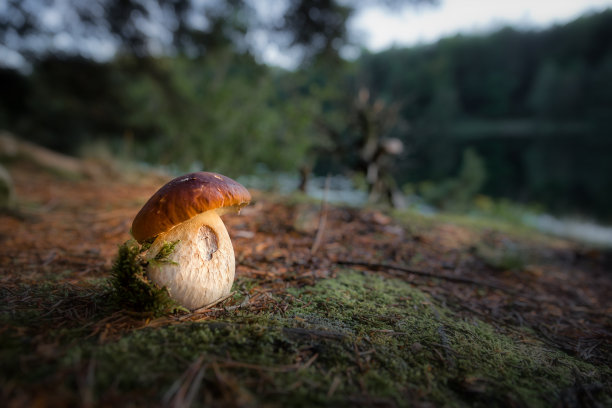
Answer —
65 232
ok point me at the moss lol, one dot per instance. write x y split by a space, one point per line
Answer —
132 289
353 339
165 251
416 223
507 257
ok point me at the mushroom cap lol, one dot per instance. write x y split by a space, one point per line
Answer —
185 197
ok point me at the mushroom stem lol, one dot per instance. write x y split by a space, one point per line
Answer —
201 268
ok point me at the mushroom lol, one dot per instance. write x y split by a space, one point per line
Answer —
186 211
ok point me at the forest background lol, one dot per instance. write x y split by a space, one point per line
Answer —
524 116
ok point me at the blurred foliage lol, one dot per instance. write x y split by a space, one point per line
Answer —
517 115
222 113
7 189
534 105
457 193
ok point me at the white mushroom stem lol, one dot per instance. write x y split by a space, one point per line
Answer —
201 267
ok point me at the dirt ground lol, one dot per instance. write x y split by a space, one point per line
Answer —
67 231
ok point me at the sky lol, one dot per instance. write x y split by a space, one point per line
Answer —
380 29
376 28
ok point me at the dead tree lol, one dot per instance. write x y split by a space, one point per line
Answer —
378 153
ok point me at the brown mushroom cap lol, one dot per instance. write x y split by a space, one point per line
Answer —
185 197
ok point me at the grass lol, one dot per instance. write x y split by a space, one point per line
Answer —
417 222
356 339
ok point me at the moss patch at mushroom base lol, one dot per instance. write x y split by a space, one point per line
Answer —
131 288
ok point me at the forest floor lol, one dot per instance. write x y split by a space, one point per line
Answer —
381 309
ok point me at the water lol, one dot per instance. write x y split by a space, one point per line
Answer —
580 230
343 191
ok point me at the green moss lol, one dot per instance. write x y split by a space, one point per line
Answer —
507 257
165 251
132 289
353 338
416 222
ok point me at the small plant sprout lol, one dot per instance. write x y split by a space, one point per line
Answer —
200 267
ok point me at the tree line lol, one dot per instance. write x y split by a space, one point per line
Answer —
524 115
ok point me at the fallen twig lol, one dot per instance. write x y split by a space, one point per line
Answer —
456 279
444 339
245 302
210 305
182 392
291 332
276 369
322 220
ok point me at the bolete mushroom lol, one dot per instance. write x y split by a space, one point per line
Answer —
186 210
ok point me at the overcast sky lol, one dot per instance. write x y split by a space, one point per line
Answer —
380 29
376 28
